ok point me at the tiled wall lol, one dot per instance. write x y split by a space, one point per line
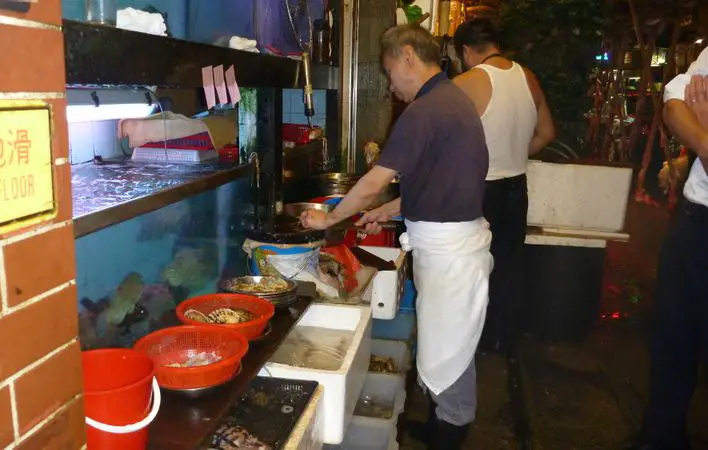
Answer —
294 109
40 362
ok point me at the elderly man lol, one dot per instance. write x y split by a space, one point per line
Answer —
517 123
437 147
681 304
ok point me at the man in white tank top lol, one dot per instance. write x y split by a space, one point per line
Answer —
517 123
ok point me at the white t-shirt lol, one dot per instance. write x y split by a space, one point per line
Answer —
696 189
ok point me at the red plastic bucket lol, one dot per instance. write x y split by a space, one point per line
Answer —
121 396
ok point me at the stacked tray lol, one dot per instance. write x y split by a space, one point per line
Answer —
253 285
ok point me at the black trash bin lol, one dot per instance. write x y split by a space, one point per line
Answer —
563 290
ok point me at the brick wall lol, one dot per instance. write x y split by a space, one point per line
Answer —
40 366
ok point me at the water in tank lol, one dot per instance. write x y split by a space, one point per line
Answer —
132 275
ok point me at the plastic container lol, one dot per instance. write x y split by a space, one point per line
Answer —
387 238
263 310
121 398
402 328
173 155
367 435
409 296
387 390
397 350
103 12
341 387
387 286
178 344
287 261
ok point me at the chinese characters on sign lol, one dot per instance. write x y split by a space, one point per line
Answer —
26 186
20 150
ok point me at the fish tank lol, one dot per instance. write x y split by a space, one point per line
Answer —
131 275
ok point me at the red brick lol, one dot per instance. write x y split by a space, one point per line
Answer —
64 432
59 127
43 11
47 387
36 59
62 194
39 263
7 435
60 149
53 321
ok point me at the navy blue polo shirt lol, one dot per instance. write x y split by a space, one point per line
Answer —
438 148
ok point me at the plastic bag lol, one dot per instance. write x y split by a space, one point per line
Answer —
274 31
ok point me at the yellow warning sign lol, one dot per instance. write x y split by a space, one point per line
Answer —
26 187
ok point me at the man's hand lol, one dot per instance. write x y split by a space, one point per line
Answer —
372 219
316 219
697 98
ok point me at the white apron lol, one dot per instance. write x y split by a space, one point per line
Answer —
451 267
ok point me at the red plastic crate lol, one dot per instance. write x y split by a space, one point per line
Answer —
300 134
387 238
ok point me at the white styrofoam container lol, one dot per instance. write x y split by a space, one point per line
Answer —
578 196
387 285
342 387
308 431
398 350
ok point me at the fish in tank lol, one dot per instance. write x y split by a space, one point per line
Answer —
132 275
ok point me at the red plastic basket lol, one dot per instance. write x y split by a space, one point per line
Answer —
178 344
263 310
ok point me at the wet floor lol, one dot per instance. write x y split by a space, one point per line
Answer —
581 396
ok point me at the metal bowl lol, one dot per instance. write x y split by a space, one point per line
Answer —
278 299
204 391
295 209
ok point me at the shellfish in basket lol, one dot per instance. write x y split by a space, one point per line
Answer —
229 316
197 316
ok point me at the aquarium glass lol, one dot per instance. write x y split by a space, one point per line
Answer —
132 275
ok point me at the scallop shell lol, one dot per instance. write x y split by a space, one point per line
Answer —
230 316
197 316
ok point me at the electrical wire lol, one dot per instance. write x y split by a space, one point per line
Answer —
164 118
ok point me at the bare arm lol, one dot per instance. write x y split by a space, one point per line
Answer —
362 194
545 131
477 86
393 208
684 124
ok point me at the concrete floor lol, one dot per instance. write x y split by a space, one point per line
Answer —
586 396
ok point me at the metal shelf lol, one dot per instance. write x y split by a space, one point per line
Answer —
100 55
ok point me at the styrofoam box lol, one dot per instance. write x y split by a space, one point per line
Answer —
398 350
342 387
387 285
578 196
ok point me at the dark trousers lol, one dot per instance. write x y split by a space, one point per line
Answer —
680 329
505 208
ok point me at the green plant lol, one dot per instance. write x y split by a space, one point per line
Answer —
558 40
